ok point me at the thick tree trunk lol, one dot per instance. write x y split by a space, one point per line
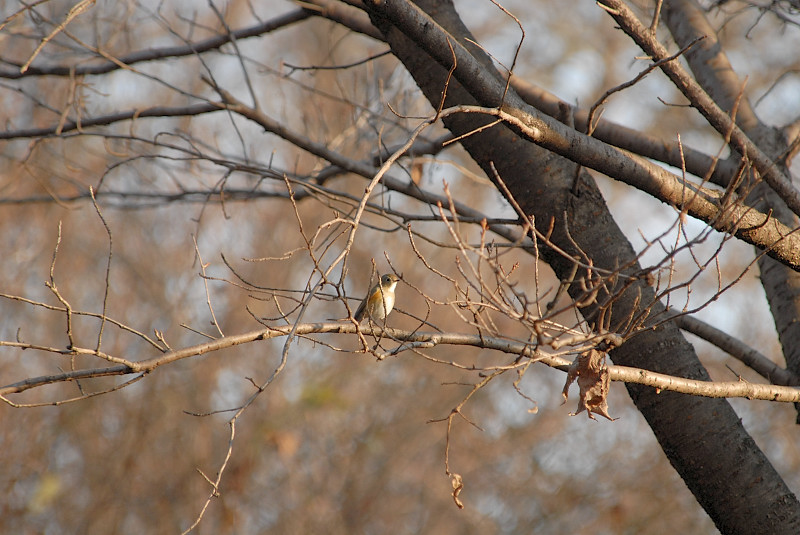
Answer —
703 438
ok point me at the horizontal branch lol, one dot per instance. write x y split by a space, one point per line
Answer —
426 340
105 120
750 225
152 54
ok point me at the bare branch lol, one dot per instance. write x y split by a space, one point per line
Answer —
700 100
152 54
617 373
739 350
562 140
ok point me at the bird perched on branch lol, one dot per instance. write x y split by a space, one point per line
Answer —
380 300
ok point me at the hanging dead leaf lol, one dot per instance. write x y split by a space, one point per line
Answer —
458 486
593 382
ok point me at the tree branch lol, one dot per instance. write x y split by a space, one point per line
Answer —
716 116
738 350
105 120
714 72
585 150
667 151
152 54
430 339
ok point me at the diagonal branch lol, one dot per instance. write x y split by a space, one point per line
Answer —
699 99
713 70
738 350
562 140
748 224
669 152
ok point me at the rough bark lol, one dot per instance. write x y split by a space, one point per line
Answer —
703 438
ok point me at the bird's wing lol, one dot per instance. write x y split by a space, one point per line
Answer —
359 315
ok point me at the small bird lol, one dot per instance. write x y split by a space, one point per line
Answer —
380 299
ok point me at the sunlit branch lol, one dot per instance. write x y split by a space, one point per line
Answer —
587 151
747 224
618 373
696 162
716 117
667 151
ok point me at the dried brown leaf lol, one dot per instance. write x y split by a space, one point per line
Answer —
458 486
593 383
